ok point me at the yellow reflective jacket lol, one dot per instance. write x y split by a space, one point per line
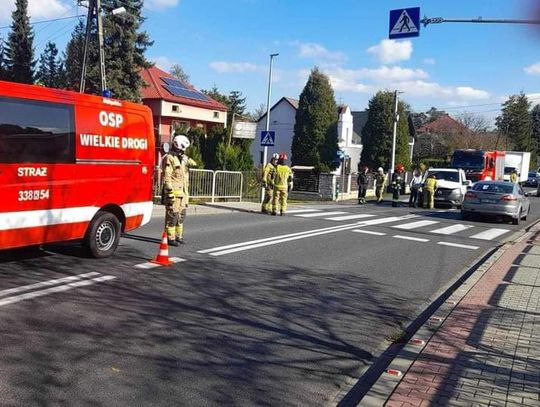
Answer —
268 173
430 184
176 174
282 177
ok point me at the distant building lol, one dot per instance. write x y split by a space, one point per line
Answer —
283 119
177 105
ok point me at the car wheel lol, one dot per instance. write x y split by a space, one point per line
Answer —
526 213
103 235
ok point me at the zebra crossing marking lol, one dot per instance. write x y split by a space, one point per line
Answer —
303 210
490 234
450 230
369 232
350 217
416 225
313 215
460 246
414 239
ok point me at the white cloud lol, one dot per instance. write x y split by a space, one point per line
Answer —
430 61
318 52
533 69
233 67
163 62
160 4
390 51
37 9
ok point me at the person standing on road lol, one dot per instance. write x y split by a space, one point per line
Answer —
267 181
282 186
430 186
397 183
416 188
380 182
362 181
176 189
514 176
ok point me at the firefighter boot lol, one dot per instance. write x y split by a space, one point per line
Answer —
180 235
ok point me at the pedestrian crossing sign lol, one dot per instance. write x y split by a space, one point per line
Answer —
404 23
268 138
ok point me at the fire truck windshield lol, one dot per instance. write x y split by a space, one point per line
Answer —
468 161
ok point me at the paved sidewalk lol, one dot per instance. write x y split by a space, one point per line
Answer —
486 352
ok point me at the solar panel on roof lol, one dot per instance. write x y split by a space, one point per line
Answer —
173 82
182 92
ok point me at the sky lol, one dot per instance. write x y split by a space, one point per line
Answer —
460 67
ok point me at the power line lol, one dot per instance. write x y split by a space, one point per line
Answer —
47 21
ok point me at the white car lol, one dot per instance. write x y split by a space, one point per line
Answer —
452 185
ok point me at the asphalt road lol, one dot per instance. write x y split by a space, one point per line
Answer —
263 310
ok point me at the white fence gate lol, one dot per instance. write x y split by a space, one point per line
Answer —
208 184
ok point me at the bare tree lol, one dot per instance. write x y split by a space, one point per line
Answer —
178 72
475 123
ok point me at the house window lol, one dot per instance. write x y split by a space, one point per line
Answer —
176 108
179 126
216 115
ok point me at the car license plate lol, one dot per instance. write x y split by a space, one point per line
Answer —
489 201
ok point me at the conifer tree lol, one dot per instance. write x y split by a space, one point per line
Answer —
516 124
3 67
50 67
20 49
315 131
377 133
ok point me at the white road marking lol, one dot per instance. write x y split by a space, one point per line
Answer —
415 239
369 232
450 230
303 210
313 215
416 225
461 246
47 283
350 217
490 234
149 265
282 239
52 290
230 246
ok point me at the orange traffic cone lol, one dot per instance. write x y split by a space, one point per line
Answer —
163 255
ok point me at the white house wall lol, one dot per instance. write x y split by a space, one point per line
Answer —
282 119
193 113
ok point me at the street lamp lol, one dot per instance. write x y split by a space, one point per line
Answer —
265 153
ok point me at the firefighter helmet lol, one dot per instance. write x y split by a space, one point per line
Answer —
180 142
380 170
282 156
400 168
275 156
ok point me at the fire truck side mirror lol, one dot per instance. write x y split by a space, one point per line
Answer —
165 147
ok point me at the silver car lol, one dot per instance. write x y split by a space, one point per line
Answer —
496 198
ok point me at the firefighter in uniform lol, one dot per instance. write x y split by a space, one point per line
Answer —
362 181
380 182
282 184
267 181
430 185
397 183
514 177
175 189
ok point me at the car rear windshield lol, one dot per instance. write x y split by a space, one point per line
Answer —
495 188
445 175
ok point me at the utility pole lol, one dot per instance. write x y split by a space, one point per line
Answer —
269 95
394 134
94 6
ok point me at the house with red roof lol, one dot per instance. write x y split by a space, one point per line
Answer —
178 105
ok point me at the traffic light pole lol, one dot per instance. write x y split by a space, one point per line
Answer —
394 134
438 20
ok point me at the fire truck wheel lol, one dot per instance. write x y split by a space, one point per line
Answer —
103 235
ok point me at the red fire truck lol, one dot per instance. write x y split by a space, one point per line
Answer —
72 166
480 165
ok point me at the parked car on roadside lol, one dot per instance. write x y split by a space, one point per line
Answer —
532 180
496 198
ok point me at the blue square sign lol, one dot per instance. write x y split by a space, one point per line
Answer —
268 138
404 23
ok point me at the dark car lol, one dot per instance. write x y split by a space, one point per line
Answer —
532 181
